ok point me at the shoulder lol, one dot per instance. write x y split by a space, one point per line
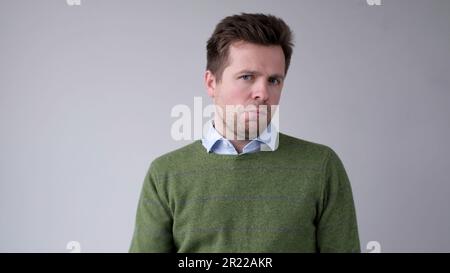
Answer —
296 145
321 154
177 157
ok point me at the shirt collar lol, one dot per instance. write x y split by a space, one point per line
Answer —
212 136
268 139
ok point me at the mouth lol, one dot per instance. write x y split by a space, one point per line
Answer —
254 115
253 112
258 110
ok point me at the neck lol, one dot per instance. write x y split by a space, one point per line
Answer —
221 128
239 144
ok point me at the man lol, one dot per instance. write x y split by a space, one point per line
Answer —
231 192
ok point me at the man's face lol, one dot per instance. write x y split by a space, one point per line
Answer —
254 77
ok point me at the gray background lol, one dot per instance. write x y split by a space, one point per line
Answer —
86 93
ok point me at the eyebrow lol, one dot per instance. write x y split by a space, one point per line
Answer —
246 71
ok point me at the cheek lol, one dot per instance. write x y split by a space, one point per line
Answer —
275 98
233 94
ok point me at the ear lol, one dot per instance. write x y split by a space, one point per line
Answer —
210 83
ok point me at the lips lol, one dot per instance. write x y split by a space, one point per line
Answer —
258 109
255 115
257 112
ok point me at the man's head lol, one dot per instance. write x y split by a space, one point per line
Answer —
248 56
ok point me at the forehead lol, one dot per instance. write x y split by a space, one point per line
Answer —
249 56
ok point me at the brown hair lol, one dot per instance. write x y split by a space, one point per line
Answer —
255 28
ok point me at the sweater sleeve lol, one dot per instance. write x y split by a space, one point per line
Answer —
337 229
153 226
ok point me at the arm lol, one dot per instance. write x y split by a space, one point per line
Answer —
153 228
337 229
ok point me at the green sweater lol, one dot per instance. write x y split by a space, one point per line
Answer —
295 199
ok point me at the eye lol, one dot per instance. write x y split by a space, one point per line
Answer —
246 77
274 81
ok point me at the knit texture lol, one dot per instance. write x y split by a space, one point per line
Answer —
295 199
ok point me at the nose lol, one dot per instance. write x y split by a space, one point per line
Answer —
260 91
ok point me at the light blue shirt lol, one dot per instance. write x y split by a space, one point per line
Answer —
214 142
